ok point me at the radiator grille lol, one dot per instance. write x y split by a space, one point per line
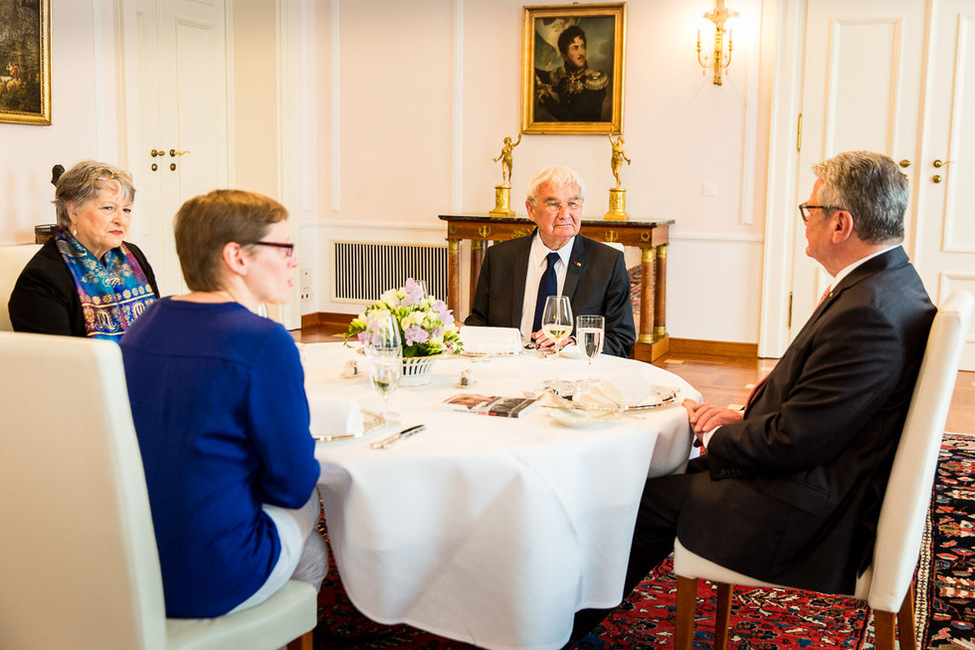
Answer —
363 271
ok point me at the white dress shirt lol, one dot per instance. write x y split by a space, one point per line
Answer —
537 264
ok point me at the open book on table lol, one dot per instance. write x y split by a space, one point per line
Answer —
507 407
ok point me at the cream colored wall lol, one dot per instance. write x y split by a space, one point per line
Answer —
255 96
410 101
416 96
84 124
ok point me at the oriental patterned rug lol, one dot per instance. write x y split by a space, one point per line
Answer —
761 619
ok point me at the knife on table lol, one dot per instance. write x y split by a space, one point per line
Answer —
386 443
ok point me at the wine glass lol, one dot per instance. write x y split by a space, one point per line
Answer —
384 349
589 336
557 325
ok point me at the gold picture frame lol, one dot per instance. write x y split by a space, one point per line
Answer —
562 92
25 61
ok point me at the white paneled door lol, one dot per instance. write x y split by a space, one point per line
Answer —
860 91
878 75
945 228
182 145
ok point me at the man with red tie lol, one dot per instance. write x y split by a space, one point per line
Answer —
790 490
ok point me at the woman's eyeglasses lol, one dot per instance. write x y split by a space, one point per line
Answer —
289 249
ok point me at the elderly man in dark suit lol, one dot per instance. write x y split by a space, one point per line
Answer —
789 491
511 288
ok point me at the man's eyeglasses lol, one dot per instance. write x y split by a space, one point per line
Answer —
289 249
804 209
556 206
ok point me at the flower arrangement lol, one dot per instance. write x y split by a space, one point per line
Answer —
425 324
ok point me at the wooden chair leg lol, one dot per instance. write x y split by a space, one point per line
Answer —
722 615
905 622
304 642
883 630
686 604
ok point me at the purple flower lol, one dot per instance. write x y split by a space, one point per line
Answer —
416 334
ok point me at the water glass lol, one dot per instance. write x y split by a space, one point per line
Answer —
590 330
385 371
384 349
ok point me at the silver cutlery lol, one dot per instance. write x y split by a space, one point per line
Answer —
386 443
344 436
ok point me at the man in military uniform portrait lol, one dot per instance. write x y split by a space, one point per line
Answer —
573 92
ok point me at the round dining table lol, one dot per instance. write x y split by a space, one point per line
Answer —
490 530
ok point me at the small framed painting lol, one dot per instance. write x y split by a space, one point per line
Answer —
25 61
572 68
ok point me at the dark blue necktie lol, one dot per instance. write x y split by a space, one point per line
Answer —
547 286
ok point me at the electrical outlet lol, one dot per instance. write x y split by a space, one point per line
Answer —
304 285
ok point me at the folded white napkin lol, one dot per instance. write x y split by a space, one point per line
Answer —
599 396
333 416
603 394
490 340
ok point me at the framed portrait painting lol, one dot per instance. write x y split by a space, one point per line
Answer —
572 68
25 61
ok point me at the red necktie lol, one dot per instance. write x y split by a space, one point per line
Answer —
751 395
823 297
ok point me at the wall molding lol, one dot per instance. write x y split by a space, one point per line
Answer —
714 348
718 238
376 225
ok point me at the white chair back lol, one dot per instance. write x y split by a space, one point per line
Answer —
80 567
908 495
13 259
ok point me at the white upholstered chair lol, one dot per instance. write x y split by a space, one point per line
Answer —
887 585
13 259
78 561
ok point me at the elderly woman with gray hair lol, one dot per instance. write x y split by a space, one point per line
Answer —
86 280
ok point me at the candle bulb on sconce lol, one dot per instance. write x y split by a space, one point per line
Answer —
719 60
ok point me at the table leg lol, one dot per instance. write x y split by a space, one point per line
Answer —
453 276
646 295
660 293
477 257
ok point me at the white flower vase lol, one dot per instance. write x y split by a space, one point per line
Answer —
416 371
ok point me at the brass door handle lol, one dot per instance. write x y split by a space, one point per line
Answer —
174 153
905 163
939 164
936 178
156 152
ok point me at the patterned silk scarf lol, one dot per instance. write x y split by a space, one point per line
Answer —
112 294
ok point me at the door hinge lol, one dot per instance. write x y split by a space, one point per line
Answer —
789 325
799 134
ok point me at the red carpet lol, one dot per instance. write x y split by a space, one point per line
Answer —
761 619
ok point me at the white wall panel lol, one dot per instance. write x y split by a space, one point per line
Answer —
395 99
27 152
404 101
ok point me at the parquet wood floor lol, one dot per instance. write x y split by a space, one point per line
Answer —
728 380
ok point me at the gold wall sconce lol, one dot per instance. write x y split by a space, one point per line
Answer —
719 60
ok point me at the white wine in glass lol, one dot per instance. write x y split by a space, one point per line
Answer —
557 325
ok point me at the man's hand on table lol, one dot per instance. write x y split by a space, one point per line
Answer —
705 417
543 342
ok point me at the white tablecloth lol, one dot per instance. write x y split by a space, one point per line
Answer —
490 530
